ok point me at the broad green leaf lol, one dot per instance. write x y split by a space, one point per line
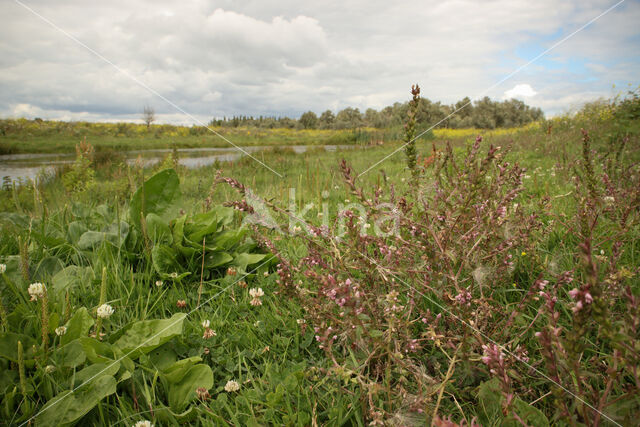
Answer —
69 277
68 407
178 369
97 351
92 372
92 239
200 226
230 238
182 389
217 259
46 268
177 232
162 357
71 355
158 230
75 230
530 415
143 336
490 397
224 214
9 346
243 260
159 194
164 259
78 326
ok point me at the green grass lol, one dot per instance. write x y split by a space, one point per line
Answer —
35 141
285 378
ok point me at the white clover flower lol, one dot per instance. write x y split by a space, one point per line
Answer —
36 290
105 311
209 333
231 386
158 283
60 331
206 323
256 292
144 423
3 268
174 275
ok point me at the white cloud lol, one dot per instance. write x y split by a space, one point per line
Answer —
267 58
520 91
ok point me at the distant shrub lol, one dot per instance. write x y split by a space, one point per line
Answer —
81 176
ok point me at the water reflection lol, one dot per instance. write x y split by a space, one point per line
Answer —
21 167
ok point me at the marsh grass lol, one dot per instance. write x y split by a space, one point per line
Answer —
287 375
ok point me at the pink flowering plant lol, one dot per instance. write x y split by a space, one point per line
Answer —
449 283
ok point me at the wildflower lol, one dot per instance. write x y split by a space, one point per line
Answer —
3 268
231 386
158 283
174 275
208 333
105 311
49 369
577 307
144 423
60 331
242 284
206 323
300 321
573 293
523 253
36 290
256 293
265 274
181 303
609 200
231 271
203 393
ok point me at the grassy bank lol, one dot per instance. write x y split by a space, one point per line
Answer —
508 293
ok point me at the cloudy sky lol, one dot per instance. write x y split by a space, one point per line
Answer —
217 58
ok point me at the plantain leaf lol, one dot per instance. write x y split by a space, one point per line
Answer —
159 195
69 406
143 336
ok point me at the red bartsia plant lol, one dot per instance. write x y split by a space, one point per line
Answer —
413 275
448 272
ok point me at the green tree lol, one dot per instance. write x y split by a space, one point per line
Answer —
309 120
349 118
327 120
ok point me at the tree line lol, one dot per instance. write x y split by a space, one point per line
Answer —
483 113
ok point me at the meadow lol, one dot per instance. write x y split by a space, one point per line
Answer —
491 280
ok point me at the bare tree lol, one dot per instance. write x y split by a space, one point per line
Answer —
148 115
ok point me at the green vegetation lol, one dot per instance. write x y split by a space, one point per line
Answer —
509 292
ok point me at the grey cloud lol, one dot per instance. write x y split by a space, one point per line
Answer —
261 57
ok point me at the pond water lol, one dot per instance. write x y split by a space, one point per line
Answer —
20 167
